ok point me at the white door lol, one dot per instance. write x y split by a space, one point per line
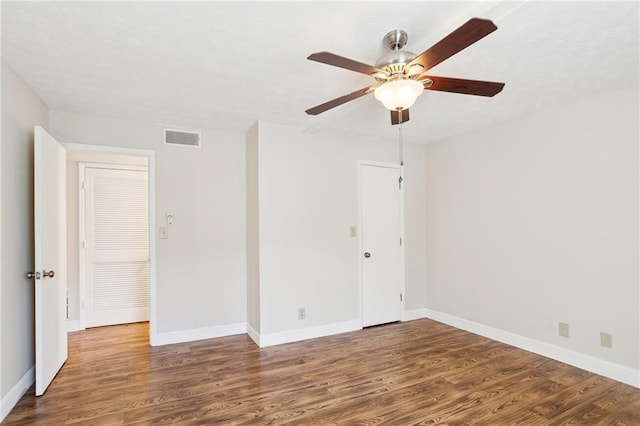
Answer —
50 257
115 252
381 244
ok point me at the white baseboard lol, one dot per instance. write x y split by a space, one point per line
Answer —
271 339
74 325
414 314
608 369
15 393
255 335
170 337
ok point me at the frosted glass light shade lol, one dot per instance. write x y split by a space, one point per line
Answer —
398 94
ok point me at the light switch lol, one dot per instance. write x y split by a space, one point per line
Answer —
169 218
164 233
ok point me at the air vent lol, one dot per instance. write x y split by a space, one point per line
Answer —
181 138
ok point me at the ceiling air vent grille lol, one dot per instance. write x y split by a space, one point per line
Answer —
181 138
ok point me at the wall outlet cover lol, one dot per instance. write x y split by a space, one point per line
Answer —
563 329
606 340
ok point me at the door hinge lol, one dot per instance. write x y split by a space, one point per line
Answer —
84 244
83 185
401 297
400 240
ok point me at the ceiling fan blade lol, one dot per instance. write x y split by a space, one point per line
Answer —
342 62
466 87
467 34
395 119
337 101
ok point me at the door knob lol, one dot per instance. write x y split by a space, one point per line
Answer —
49 274
367 254
35 275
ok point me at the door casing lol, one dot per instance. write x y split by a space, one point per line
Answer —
151 164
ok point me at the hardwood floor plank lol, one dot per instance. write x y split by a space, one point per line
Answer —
418 372
573 397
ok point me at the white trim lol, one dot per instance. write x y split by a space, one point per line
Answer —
15 393
608 369
74 325
151 164
255 335
181 336
403 290
378 164
272 339
82 262
360 247
153 311
414 314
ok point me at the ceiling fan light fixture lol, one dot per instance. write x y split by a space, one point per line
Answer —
399 94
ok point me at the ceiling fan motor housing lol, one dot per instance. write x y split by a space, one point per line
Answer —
399 57
394 62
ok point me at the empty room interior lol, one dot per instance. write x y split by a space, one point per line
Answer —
320 212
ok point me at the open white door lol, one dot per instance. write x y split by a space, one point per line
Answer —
50 257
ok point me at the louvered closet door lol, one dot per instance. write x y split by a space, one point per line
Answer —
117 247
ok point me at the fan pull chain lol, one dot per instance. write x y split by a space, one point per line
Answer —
400 147
400 138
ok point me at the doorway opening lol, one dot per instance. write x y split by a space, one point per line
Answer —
113 281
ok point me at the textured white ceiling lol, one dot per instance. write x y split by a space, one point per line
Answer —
224 65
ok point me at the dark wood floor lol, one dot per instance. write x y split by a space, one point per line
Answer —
418 372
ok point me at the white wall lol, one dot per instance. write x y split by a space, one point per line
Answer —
253 227
535 221
201 268
308 201
415 233
21 110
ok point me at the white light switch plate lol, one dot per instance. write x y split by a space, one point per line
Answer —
164 233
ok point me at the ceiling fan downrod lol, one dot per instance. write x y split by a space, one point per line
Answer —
394 61
396 39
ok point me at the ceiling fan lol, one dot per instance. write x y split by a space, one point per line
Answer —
400 77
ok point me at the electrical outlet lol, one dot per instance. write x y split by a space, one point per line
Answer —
606 340
302 313
563 329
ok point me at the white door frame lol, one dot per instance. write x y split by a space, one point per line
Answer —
82 253
150 155
396 166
